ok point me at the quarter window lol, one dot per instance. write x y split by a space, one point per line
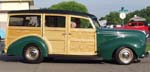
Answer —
25 20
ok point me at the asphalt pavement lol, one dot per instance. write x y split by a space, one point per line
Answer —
15 64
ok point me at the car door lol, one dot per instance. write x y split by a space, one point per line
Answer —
81 36
55 32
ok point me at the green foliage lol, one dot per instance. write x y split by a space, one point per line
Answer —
85 23
145 13
113 17
70 5
147 47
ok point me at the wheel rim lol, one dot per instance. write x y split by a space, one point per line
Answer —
126 55
32 53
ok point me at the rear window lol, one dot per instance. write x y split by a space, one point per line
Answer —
25 20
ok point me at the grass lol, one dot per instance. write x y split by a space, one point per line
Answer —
147 46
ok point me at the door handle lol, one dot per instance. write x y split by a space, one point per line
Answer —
69 34
63 33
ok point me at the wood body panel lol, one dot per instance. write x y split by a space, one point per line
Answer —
56 38
82 42
60 40
15 33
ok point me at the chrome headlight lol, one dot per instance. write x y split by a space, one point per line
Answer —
144 32
147 34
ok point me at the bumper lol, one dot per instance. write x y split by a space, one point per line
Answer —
147 54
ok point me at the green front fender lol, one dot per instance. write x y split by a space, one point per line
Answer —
16 48
107 49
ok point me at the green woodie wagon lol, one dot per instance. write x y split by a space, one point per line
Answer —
35 34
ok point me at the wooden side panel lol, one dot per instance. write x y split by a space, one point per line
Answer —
82 42
56 37
16 32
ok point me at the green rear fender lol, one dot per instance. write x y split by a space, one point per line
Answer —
16 48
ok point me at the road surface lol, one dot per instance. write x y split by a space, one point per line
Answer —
14 64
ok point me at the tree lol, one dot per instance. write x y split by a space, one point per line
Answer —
145 13
112 18
70 5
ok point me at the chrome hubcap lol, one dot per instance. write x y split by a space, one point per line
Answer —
32 53
126 55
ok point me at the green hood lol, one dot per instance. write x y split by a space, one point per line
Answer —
109 40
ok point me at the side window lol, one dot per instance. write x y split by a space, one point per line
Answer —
132 24
25 20
80 23
55 21
141 24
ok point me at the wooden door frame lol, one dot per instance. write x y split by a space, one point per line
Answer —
44 29
69 30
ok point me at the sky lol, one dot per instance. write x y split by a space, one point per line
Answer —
100 8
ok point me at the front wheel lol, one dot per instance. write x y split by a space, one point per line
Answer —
124 56
32 54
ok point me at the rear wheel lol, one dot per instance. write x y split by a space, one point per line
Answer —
32 54
124 56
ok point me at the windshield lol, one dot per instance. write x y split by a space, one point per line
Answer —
96 23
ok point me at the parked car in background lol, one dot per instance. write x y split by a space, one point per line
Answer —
35 34
140 26
2 34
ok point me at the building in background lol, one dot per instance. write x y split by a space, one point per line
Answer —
9 5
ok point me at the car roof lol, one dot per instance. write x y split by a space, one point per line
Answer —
53 12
